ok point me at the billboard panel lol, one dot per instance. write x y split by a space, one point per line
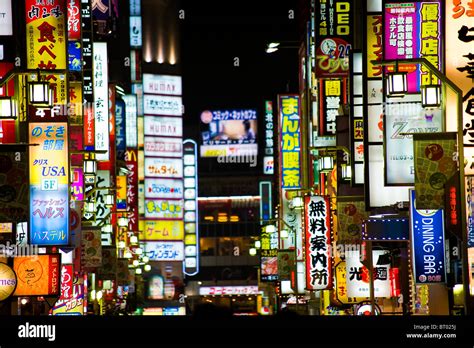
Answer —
228 133
318 243
163 147
162 230
164 209
163 188
49 184
162 84
165 251
427 238
101 97
162 105
46 34
163 167
289 142
37 275
163 126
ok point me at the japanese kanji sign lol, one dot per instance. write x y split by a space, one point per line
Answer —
334 21
290 136
413 30
318 243
49 184
101 94
73 19
46 34
333 95
165 251
358 279
269 255
460 69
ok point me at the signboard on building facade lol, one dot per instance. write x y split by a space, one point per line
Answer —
162 84
8 281
268 255
435 164
76 303
165 251
268 159
49 184
101 97
46 34
459 69
191 232
358 279
163 167
289 142
427 238
163 126
334 25
318 243
37 275
162 230
163 147
413 30
163 188
162 105
400 119
6 24
333 95
229 133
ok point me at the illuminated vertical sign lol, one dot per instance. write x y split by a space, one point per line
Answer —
413 30
120 142
46 34
427 238
268 255
6 24
73 19
131 130
318 243
332 96
101 93
268 159
357 119
49 184
131 159
135 31
460 70
289 142
266 207
334 25
191 233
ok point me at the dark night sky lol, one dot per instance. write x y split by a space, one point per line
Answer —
213 33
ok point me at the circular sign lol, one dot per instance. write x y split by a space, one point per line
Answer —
206 117
366 309
434 152
7 281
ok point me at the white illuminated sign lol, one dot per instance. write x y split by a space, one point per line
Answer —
163 167
163 188
163 126
6 26
163 147
162 105
101 99
131 129
135 31
162 84
165 251
229 290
